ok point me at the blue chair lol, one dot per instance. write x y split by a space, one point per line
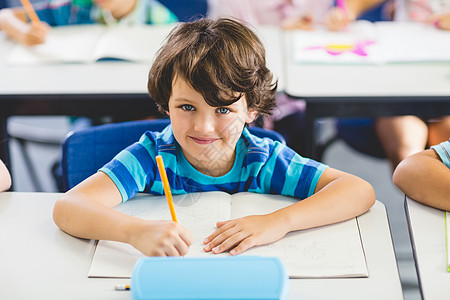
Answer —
87 150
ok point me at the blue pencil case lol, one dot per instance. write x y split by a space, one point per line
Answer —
215 278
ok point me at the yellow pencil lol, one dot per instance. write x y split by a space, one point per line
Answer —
165 182
30 11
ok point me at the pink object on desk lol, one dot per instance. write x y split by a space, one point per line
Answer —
359 48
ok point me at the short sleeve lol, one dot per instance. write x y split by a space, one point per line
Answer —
287 173
443 150
133 169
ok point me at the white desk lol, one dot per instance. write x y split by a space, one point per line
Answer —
39 261
427 230
105 77
117 89
364 90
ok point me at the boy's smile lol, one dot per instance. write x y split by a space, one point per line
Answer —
207 135
203 141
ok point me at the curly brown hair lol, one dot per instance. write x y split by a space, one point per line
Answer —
221 59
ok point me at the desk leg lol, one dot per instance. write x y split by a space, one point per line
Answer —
4 149
310 147
4 143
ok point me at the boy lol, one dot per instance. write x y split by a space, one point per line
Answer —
211 79
425 176
14 22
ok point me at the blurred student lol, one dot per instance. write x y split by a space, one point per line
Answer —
290 14
211 79
404 135
14 21
5 178
425 176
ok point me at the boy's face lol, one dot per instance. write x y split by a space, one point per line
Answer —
206 134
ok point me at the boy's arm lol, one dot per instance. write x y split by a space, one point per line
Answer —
423 177
339 196
5 177
15 24
86 211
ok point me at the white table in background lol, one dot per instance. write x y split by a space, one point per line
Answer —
365 90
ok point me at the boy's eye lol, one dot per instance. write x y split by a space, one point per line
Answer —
187 107
223 110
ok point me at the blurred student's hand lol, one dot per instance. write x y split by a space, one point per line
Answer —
300 23
337 19
441 21
245 233
35 34
161 238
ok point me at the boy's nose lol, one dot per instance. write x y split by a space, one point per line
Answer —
204 124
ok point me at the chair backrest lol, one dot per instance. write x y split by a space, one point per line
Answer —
87 150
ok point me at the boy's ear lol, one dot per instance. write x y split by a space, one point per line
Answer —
167 112
251 115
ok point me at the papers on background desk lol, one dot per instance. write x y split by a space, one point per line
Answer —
325 252
89 43
373 43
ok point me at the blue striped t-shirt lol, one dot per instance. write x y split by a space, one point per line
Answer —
261 166
443 150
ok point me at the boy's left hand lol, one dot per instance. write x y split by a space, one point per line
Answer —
244 233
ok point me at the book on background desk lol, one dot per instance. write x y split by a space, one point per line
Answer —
364 42
90 43
323 252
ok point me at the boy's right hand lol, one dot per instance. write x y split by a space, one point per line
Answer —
161 238
35 34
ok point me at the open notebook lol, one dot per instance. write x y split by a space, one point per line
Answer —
90 43
329 251
373 43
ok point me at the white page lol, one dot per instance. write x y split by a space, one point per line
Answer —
137 43
357 44
382 42
413 42
328 251
198 212
64 44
